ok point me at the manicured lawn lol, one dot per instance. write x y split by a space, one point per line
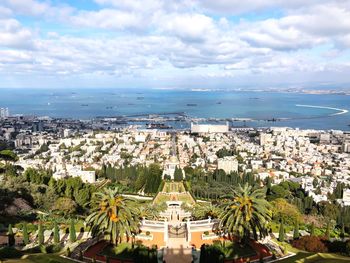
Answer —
122 251
173 187
309 257
40 258
304 257
161 198
186 198
234 250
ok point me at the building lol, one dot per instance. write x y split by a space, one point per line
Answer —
229 164
346 197
67 133
4 113
76 171
266 138
170 166
209 128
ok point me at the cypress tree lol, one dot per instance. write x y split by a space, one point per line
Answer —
342 233
72 233
178 174
281 232
25 234
11 236
56 234
40 234
328 234
296 230
312 229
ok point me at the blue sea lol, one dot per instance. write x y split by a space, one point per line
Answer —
259 106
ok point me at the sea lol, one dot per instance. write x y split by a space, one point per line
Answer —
245 108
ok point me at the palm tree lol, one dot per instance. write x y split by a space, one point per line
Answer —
113 215
203 211
246 211
149 211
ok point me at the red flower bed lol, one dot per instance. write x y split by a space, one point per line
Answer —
311 244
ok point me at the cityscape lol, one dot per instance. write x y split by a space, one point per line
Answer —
174 131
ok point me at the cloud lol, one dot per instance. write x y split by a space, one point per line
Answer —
189 27
108 19
234 7
164 40
27 7
13 35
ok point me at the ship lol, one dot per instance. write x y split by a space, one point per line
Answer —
157 126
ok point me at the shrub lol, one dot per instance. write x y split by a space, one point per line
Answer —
11 236
33 250
53 248
336 246
206 233
43 249
68 252
347 248
9 252
148 233
310 244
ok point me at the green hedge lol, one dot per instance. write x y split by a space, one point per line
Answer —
9 252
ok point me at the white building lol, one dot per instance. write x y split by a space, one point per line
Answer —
346 197
76 171
170 165
67 132
209 128
229 164
4 113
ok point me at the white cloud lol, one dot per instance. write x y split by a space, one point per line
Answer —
189 27
108 19
235 7
27 7
13 35
151 38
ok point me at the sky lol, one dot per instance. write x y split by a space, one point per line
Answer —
174 44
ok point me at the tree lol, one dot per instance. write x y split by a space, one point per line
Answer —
282 210
40 234
328 233
203 211
342 232
56 233
281 232
8 156
11 236
112 215
72 233
312 229
178 176
246 211
25 234
296 234
149 211
65 205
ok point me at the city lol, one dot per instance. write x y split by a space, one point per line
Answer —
177 177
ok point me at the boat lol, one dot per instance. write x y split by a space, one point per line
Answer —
191 104
157 126
140 98
219 102
84 105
